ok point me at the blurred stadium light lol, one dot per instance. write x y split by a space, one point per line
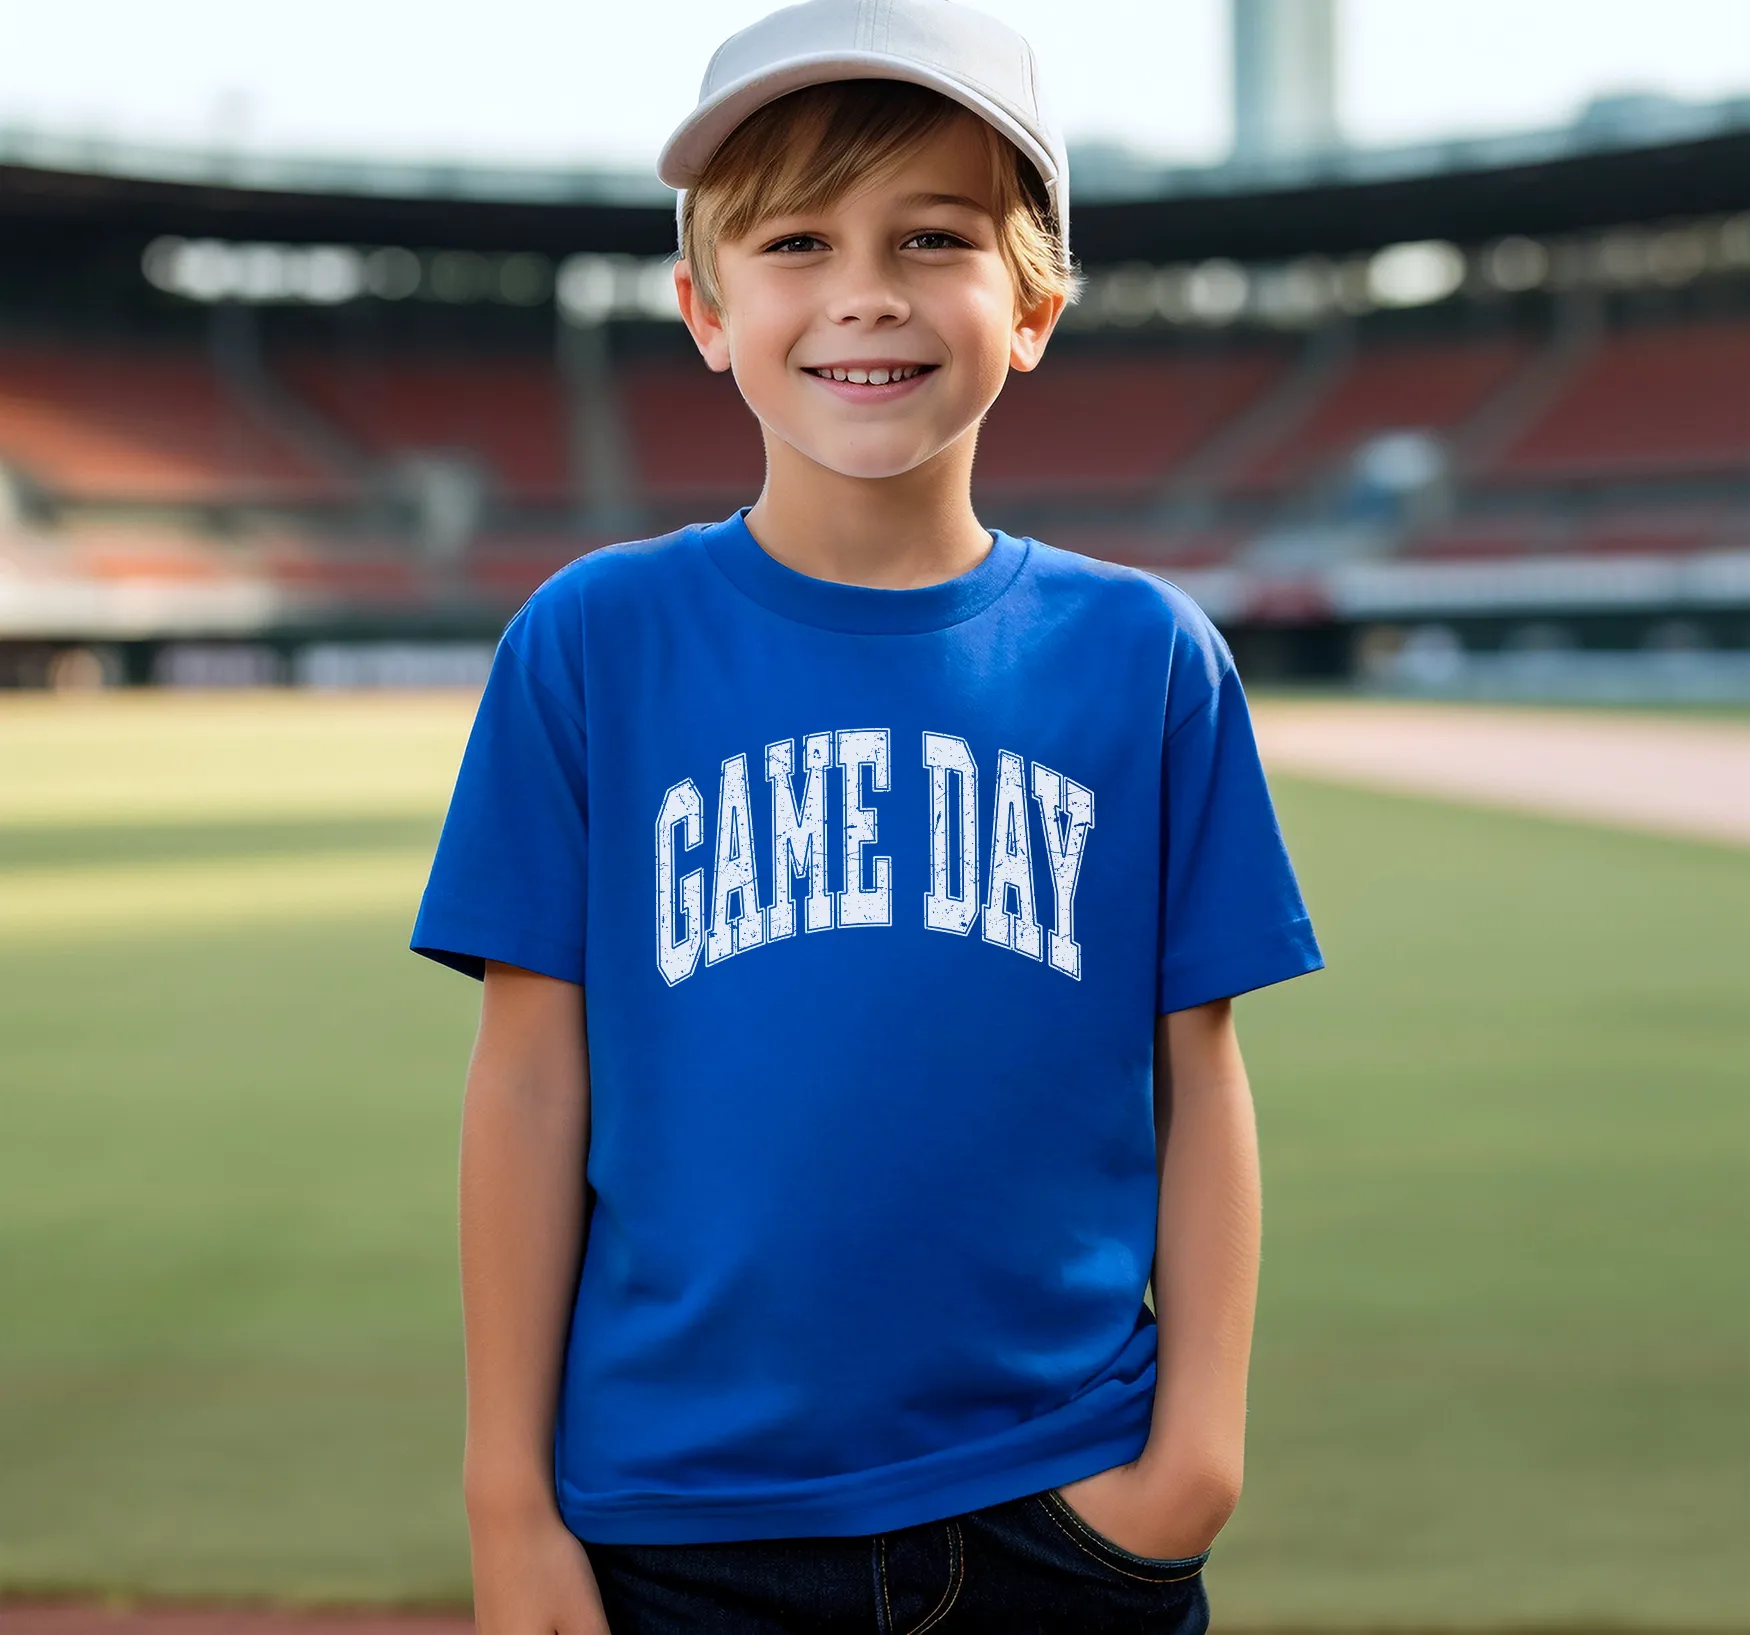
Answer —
595 288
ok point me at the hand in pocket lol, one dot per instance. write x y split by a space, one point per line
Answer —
1133 1509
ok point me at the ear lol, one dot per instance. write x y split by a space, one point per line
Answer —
704 322
1032 330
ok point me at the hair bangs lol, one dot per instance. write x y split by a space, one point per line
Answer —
809 149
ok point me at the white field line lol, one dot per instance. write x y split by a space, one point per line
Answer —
1680 777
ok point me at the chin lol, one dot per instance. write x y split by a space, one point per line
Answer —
870 465
869 471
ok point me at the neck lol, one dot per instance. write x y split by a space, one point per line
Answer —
895 533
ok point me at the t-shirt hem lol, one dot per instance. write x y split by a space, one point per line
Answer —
1290 950
465 944
1108 1427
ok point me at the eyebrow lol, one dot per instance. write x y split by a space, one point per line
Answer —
914 199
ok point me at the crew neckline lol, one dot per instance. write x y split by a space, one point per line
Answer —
861 609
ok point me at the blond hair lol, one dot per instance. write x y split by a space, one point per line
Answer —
808 149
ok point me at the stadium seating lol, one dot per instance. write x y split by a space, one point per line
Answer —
371 572
106 551
1161 549
1650 531
1092 437
1520 534
507 413
508 569
1103 427
1657 402
1114 427
1423 386
692 436
138 424
1670 529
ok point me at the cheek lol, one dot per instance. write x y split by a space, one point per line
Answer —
765 335
761 328
983 321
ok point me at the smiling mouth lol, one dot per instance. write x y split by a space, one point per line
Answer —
871 377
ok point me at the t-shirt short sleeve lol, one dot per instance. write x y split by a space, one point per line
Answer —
1232 916
509 878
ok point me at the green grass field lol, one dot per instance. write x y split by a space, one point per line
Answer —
1501 1361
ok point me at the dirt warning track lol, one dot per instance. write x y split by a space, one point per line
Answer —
1683 776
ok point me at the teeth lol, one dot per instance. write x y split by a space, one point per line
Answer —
869 377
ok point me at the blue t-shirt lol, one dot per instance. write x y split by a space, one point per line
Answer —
874 896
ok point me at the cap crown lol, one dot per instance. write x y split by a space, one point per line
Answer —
963 53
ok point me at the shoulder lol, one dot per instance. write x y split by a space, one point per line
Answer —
632 567
604 584
548 637
1126 603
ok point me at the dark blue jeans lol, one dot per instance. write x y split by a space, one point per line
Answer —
1030 1566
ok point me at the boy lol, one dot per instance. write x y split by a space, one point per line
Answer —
904 870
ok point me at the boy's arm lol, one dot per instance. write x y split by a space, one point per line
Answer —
1176 1497
525 1137
1206 1269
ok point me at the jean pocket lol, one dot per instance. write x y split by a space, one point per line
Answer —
1155 1569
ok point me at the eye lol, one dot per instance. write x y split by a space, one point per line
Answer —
938 238
795 244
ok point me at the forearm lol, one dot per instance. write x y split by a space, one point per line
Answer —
1206 1259
525 1134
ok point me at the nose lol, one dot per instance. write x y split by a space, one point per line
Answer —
867 290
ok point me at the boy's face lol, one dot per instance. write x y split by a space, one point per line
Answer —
901 277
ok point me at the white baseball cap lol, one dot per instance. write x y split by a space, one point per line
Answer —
979 62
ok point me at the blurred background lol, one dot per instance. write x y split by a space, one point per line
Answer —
1415 345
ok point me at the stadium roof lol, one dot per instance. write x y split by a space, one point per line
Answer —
1627 159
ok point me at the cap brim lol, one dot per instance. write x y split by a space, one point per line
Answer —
687 152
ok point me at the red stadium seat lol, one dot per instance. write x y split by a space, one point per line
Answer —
127 422
1640 530
507 569
1114 426
1670 401
692 436
1488 537
1422 386
1161 550
1649 531
507 412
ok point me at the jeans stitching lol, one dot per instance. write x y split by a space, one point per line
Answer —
1053 1505
881 1575
957 1576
